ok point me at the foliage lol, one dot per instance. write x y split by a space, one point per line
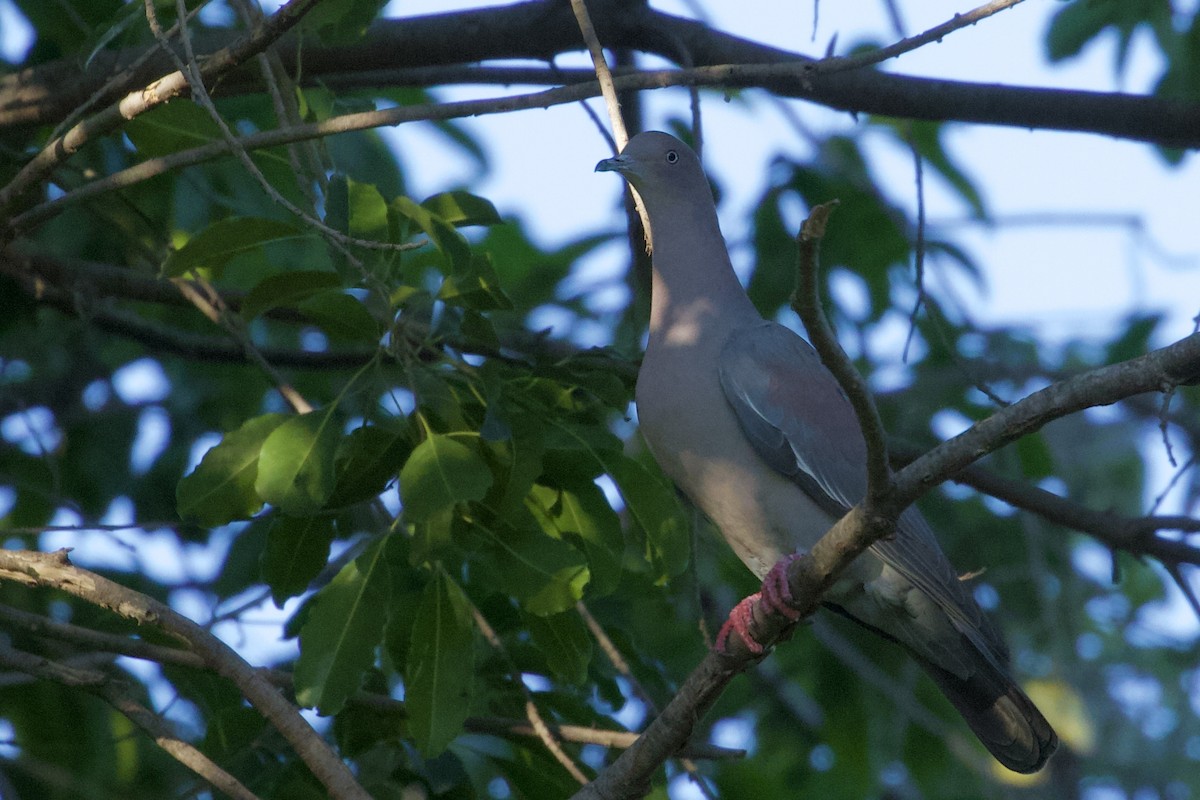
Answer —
455 492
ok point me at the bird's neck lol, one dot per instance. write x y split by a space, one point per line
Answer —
695 294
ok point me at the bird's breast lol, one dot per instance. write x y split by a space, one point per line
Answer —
697 440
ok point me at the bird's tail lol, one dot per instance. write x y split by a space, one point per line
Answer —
1006 721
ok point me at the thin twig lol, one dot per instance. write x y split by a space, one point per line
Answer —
807 303
919 245
934 34
603 75
532 714
210 304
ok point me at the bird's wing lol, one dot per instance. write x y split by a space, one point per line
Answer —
802 425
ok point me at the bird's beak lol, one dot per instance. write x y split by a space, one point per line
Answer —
614 164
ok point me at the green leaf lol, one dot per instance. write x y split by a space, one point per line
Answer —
433 538
452 244
342 22
297 550
221 487
287 289
565 642
546 575
520 461
578 453
343 627
219 243
129 16
171 127
1078 23
342 316
654 508
1034 454
295 465
440 666
367 460
242 567
368 211
477 288
439 473
582 512
463 208
231 731
651 502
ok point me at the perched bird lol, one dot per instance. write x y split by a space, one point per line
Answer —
744 418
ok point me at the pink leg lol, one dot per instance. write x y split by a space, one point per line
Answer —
739 622
775 594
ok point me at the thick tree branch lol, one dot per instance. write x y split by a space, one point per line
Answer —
541 30
99 641
54 570
1138 536
160 91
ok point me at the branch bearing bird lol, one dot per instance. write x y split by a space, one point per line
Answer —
743 417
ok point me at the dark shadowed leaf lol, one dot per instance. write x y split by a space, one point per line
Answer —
297 550
463 208
343 628
564 641
220 242
440 665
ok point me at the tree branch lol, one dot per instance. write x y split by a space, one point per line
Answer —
806 300
99 641
68 285
1155 371
54 570
540 30
1137 536
102 686
160 91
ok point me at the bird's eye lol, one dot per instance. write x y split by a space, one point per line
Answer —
672 156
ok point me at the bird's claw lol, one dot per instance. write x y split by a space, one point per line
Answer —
776 594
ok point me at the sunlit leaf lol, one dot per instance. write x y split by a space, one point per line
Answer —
583 512
439 473
449 241
222 241
463 209
295 465
221 487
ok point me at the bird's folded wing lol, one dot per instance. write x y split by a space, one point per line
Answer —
800 422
